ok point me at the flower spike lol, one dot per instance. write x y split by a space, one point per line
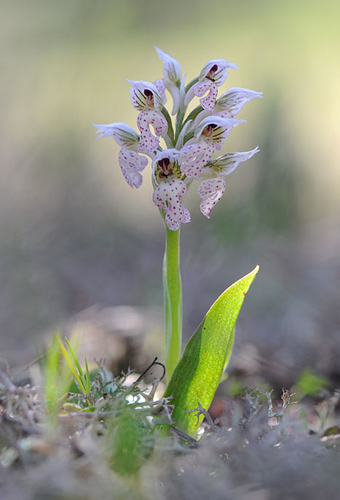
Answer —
183 149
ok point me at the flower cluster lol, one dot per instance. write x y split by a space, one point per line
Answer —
189 146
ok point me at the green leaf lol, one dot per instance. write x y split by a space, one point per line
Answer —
310 384
129 441
70 364
199 371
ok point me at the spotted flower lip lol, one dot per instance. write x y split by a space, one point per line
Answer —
131 164
124 135
148 142
168 197
145 96
210 192
207 87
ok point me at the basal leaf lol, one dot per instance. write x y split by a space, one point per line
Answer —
198 373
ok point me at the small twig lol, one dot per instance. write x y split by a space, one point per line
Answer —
185 437
154 363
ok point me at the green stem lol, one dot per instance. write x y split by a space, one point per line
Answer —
172 301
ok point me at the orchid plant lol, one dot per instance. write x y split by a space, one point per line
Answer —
182 152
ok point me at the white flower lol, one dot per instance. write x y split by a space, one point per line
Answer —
209 136
215 129
145 96
216 71
212 76
211 189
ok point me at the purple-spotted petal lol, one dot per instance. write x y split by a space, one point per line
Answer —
148 143
210 191
131 165
202 88
168 196
193 157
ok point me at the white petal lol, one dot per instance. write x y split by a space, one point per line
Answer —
210 191
123 134
172 69
231 102
232 160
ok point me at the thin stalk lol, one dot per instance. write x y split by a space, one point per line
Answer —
172 300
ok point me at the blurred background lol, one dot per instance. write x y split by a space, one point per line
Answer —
76 241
